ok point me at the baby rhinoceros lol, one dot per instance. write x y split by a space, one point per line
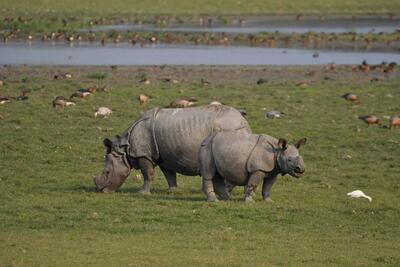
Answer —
246 159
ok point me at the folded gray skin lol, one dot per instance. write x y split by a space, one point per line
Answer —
233 158
168 138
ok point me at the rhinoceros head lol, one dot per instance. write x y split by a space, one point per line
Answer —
289 159
116 168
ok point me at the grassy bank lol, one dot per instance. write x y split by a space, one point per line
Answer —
51 216
219 7
59 20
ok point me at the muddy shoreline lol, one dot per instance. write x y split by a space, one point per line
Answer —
202 76
317 32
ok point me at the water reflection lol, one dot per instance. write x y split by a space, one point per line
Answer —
124 54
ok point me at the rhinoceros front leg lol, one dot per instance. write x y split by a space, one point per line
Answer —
171 179
147 169
220 187
254 180
267 185
229 187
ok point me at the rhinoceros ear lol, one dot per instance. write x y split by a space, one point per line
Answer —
301 143
282 143
108 144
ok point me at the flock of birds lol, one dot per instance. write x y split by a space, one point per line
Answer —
62 102
6 99
372 119
144 38
184 102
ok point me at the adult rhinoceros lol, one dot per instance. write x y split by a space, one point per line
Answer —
169 138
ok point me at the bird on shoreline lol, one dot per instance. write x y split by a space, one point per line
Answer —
84 92
394 121
183 102
103 111
274 114
5 99
370 119
358 194
62 102
350 97
23 96
142 98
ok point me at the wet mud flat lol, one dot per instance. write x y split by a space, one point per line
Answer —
366 33
258 24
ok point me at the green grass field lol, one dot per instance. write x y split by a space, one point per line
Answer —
18 19
219 7
50 214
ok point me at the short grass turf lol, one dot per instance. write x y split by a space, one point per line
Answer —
50 214
43 17
218 7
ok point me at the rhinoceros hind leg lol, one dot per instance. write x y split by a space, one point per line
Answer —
208 189
147 169
207 169
171 179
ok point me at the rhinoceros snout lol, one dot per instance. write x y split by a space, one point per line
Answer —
98 187
299 170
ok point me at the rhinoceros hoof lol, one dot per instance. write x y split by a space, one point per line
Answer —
225 196
268 199
144 192
172 189
249 199
108 191
212 199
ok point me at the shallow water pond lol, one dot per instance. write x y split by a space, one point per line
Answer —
124 54
269 24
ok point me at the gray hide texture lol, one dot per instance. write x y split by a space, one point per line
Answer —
137 141
172 137
248 154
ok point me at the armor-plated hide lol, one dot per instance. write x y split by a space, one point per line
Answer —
172 137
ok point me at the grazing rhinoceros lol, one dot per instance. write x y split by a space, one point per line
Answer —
169 138
246 159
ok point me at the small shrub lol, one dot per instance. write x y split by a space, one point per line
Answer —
98 75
